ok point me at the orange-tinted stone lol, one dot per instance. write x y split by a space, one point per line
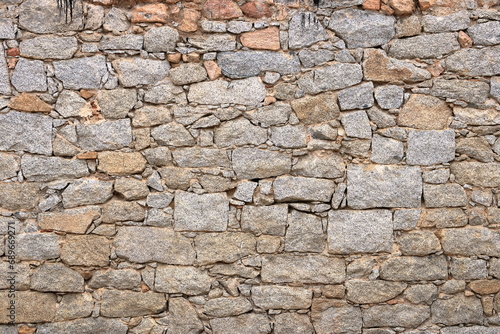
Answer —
157 12
29 103
221 10
371 4
265 39
256 9
426 4
402 7
189 20
87 156
14 52
213 70
464 40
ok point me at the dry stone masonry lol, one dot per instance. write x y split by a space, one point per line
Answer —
250 167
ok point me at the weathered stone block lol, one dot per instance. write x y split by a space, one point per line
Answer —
419 243
281 297
248 92
172 279
471 241
244 64
226 307
291 188
424 46
33 133
305 29
253 163
457 310
39 168
333 77
207 212
86 250
36 246
424 112
138 72
56 277
430 147
81 73
270 219
72 221
304 233
117 304
372 292
444 195
225 247
398 315
249 323
120 163
477 173
414 268
31 307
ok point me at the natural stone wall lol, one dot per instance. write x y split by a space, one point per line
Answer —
271 166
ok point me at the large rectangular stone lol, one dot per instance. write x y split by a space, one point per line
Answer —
425 46
40 168
352 231
302 269
372 186
477 173
109 135
225 247
399 315
471 241
291 189
201 157
81 73
31 307
26 132
281 297
270 219
207 212
118 304
414 268
248 92
475 92
333 77
254 163
245 64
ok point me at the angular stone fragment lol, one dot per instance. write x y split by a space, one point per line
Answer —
69 104
38 17
302 269
214 42
474 92
123 279
172 279
253 163
316 109
33 133
265 219
452 22
87 192
182 317
323 164
414 268
160 39
245 64
39 168
444 195
9 166
30 306
424 112
120 163
332 77
378 66
352 231
72 221
173 134
290 188
225 247
389 96
134 72
477 173
337 316
49 47
86 250
457 310
383 186
187 74
275 114
117 211
281 297
29 103
29 76
286 323
165 92
372 292
37 246
249 323
288 136
264 39
398 315
356 124
81 73
239 132
226 307
476 147
485 33
116 103
131 188
362 29
248 92
117 304
471 241
84 326
305 29
386 150
207 212
4 74
430 147
152 244
475 62
419 243
222 9
56 277
304 233
424 46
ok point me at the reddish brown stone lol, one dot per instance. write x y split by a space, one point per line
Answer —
464 40
221 10
435 69
256 9
485 287
402 7
371 4
189 20
426 4
264 39
213 70
14 52
157 12
87 156
29 103
86 93
174 58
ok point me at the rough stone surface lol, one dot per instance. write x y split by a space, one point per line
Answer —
281 297
251 163
430 147
135 72
476 173
409 268
32 133
305 29
39 168
333 77
29 76
475 62
48 47
469 91
424 46
371 292
424 112
172 279
86 250
402 315
200 212
265 219
248 91
116 304
81 73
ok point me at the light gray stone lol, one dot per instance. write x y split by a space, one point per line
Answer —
84 326
265 219
475 62
123 42
471 241
123 279
18 196
48 47
436 176
358 97
287 323
245 190
245 64
305 29
398 315
389 97
69 103
207 212
485 33
86 250
160 39
182 318
477 173
452 22
352 231
362 29
469 330
372 292
87 192
289 136
495 88
150 116
249 323
29 76
419 243
7 29
187 74
37 246
109 135
380 118
172 279
173 134
158 156
56 277
239 132
356 124
226 307
468 269
310 58
116 21
214 42
33 133
165 92
444 195
274 114
227 247
414 268
302 269
116 103
281 297
422 293
430 147
386 150
39 168
476 147
138 72
294 188
339 3
406 219
332 77
44 17
153 244
322 164
383 186
424 46
75 306
118 211
248 92
304 233
469 91
9 166
252 163
441 218
22 280
201 157
4 74
457 310
81 73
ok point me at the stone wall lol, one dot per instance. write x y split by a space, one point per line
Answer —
250 167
